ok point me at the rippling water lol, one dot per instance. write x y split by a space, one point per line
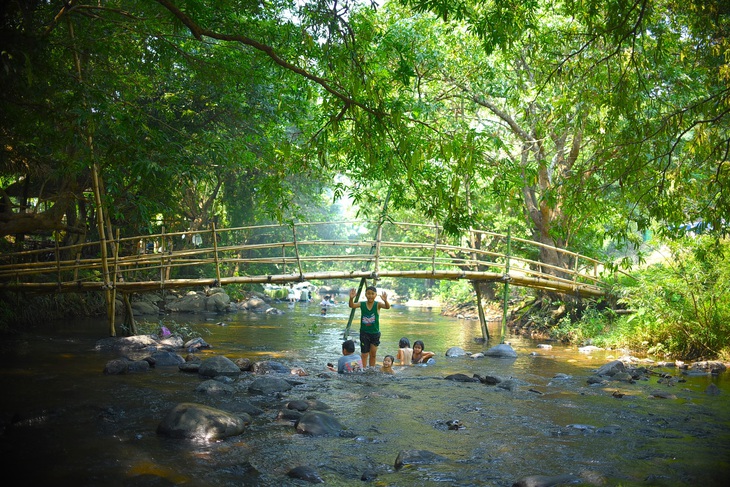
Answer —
65 422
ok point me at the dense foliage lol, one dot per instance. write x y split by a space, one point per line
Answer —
680 306
579 124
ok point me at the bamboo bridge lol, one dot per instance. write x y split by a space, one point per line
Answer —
294 252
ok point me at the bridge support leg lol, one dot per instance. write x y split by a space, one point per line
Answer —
129 314
363 284
480 309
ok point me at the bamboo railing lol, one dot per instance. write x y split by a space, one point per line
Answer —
292 253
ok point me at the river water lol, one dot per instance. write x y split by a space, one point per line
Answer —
65 422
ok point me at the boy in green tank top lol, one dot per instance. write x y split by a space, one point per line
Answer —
369 321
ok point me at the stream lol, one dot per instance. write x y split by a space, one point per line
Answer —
64 422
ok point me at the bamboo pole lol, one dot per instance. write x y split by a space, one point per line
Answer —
506 286
435 248
129 316
162 260
58 258
480 311
141 286
476 285
283 258
296 250
115 275
378 240
215 253
76 266
363 281
97 198
11 274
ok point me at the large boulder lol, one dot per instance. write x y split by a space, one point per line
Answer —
218 365
218 302
144 308
193 302
197 421
455 352
501 351
164 358
612 368
212 387
319 423
125 344
270 367
255 304
269 385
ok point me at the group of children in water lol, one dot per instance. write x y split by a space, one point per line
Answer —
352 362
370 339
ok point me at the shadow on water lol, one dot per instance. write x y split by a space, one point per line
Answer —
65 422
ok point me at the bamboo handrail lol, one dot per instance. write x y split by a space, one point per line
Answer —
433 257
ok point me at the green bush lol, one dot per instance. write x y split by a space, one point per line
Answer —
681 307
455 292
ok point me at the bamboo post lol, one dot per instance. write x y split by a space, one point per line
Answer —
283 258
379 236
506 285
296 250
162 259
215 254
480 310
129 316
116 274
477 288
102 243
58 259
116 257
363 281
435 249
76 264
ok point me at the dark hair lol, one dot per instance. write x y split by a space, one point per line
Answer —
404 343
372 288
348 346
419 342
392 359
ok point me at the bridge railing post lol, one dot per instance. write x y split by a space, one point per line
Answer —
215 254
435 248
505 296
378 240
296 250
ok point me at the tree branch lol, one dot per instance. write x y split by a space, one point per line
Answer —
199 32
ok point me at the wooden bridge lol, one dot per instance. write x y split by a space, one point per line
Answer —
293 253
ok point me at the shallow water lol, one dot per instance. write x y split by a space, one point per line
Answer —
66 422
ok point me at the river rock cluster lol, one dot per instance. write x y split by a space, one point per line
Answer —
270 381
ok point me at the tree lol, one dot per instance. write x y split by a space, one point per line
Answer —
178 127
656 74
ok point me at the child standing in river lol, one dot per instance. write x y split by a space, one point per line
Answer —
369 321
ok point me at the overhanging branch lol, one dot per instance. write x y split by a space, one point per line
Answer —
199 32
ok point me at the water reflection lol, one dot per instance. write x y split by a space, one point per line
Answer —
89 429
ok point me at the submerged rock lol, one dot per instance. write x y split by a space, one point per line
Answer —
319 423
501 351
197 421
305 473
546 481
417 457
